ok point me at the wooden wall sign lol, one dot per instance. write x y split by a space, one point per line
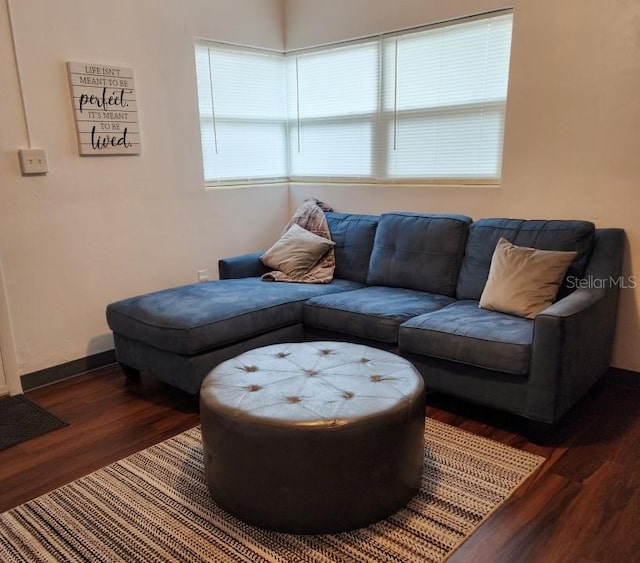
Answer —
105 108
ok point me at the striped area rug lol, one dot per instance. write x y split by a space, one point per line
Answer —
155 506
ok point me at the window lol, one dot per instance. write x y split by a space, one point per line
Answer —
333 112
422 105
243 114
445 92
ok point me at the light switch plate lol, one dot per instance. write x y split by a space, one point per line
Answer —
33 161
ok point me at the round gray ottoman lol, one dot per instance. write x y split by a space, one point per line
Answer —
313 437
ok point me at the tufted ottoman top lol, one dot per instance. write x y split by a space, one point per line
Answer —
311 384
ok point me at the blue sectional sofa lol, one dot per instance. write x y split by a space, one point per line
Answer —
409 283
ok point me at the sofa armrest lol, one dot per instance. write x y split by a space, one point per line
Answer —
573 338
574 303
244 266
571 350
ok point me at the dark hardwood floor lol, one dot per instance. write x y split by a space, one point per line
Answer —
109 418
583 505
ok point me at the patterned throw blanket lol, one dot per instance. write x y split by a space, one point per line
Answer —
310 216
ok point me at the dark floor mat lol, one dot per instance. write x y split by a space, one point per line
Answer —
21 420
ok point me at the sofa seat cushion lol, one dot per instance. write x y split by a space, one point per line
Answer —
191 319
418 251
372 312
462 332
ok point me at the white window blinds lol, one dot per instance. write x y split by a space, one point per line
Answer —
445 91
423 105
333 110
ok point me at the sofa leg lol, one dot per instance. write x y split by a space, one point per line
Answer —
130 373
539 432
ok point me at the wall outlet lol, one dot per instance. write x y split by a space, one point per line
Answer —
203 275
33 161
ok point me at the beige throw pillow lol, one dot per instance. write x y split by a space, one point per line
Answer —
296 252
524 281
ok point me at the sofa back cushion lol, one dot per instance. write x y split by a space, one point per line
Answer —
353 235
419 251
544 235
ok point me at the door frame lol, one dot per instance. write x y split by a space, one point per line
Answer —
7 345
4 388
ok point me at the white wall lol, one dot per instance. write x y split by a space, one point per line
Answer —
96 229
572 141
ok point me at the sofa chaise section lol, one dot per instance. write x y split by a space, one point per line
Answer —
177 333
180 334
